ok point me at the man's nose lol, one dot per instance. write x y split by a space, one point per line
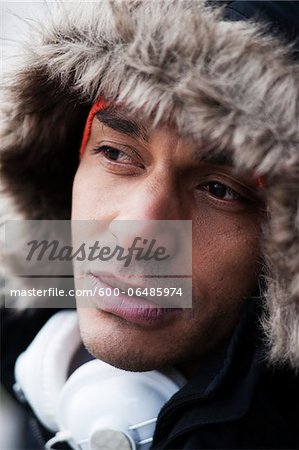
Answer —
149 213
156 198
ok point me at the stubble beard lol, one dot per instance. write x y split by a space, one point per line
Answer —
197 339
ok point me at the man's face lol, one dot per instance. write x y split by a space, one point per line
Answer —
132 172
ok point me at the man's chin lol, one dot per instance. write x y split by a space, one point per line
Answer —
124 345
122 354
122 358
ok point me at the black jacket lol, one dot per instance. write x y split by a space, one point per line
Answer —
234 401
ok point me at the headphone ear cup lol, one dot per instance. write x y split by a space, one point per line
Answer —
98 397
41 371
97 400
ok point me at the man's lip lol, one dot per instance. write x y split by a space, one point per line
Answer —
135 309
116 282
142 283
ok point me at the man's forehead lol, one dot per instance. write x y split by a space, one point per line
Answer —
121 121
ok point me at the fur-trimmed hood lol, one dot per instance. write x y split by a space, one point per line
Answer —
230 84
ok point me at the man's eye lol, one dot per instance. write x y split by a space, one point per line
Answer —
113 154
221 191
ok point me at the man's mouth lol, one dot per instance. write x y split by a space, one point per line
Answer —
131 302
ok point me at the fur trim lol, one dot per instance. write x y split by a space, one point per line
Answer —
230 85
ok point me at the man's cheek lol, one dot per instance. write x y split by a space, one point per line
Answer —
223 266
96 194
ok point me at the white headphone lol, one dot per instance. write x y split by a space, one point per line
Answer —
99 407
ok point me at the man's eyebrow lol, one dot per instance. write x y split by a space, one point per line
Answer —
113 119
